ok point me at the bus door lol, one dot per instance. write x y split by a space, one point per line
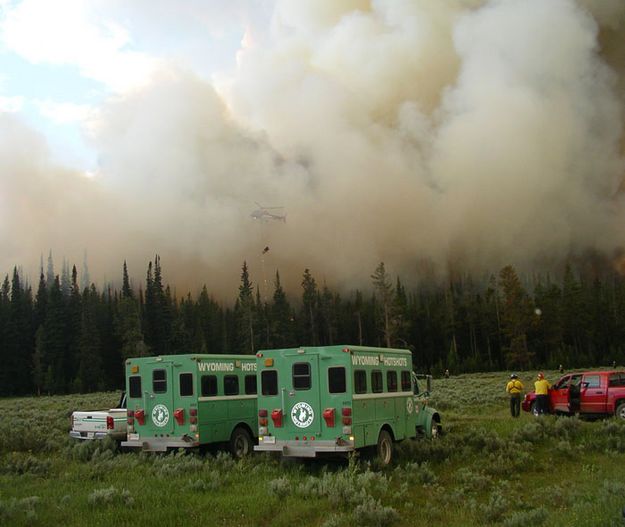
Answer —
159 399
300 395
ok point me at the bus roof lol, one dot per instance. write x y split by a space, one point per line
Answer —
341 348
193 356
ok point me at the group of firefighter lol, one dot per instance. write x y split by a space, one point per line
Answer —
515 388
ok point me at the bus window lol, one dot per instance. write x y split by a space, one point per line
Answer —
376 381
134 385
405 381
159 381
209 385
269 382
301 376
336 380
250 385
391 381
231 385
360 381
186 384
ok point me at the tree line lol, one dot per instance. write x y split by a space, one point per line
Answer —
61 337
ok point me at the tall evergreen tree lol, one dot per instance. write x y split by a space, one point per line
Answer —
384 293
515 318
310 308
282 321
90 375
244 314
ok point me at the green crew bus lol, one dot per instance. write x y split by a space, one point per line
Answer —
337 399
187 401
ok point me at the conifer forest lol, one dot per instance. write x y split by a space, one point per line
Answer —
58 337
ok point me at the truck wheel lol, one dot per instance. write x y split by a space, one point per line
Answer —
533 408
620 411
435 430
384 449
240 442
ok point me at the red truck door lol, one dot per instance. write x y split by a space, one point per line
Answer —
593 394
559 395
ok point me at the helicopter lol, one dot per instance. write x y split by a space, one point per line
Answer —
264 214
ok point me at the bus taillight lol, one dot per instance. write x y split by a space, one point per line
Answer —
110 423
193 414
262 413
346 412
328 415
179 416
140 416
276 417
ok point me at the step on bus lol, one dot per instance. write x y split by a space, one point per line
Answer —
338 399
187 401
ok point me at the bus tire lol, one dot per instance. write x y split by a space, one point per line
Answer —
384 448
241 443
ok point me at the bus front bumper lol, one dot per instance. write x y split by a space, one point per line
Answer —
291 448
159 444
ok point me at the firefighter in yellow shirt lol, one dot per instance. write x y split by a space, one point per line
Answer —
514 388
541 387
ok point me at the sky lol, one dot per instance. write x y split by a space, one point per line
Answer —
428 135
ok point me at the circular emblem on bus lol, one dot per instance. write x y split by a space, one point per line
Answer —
409 405
160 415
302 415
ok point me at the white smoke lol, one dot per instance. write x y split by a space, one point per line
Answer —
489 132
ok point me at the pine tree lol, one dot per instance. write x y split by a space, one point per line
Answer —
5 298
282 321
384 293
54 345
515 318
19 342
309 308
90 376
126 289
244 314
50 271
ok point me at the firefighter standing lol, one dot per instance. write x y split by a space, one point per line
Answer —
541 387
514 389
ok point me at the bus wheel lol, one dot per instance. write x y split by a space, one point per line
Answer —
384 449
240 442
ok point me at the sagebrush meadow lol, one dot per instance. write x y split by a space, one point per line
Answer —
487 469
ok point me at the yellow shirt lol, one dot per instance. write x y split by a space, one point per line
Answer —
514 386
542 387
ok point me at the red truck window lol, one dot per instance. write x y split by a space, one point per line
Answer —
592 381
617 379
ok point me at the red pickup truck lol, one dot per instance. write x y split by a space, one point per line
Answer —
591 393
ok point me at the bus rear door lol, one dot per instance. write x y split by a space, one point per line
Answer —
299 390
159 418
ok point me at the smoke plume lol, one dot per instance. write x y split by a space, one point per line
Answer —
476 133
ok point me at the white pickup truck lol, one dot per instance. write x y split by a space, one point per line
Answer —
100 424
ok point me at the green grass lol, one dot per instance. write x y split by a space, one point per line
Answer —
487 469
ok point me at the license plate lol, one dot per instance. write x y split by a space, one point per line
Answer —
89 435
269 440
133 437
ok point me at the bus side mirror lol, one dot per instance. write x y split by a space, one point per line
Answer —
429 383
